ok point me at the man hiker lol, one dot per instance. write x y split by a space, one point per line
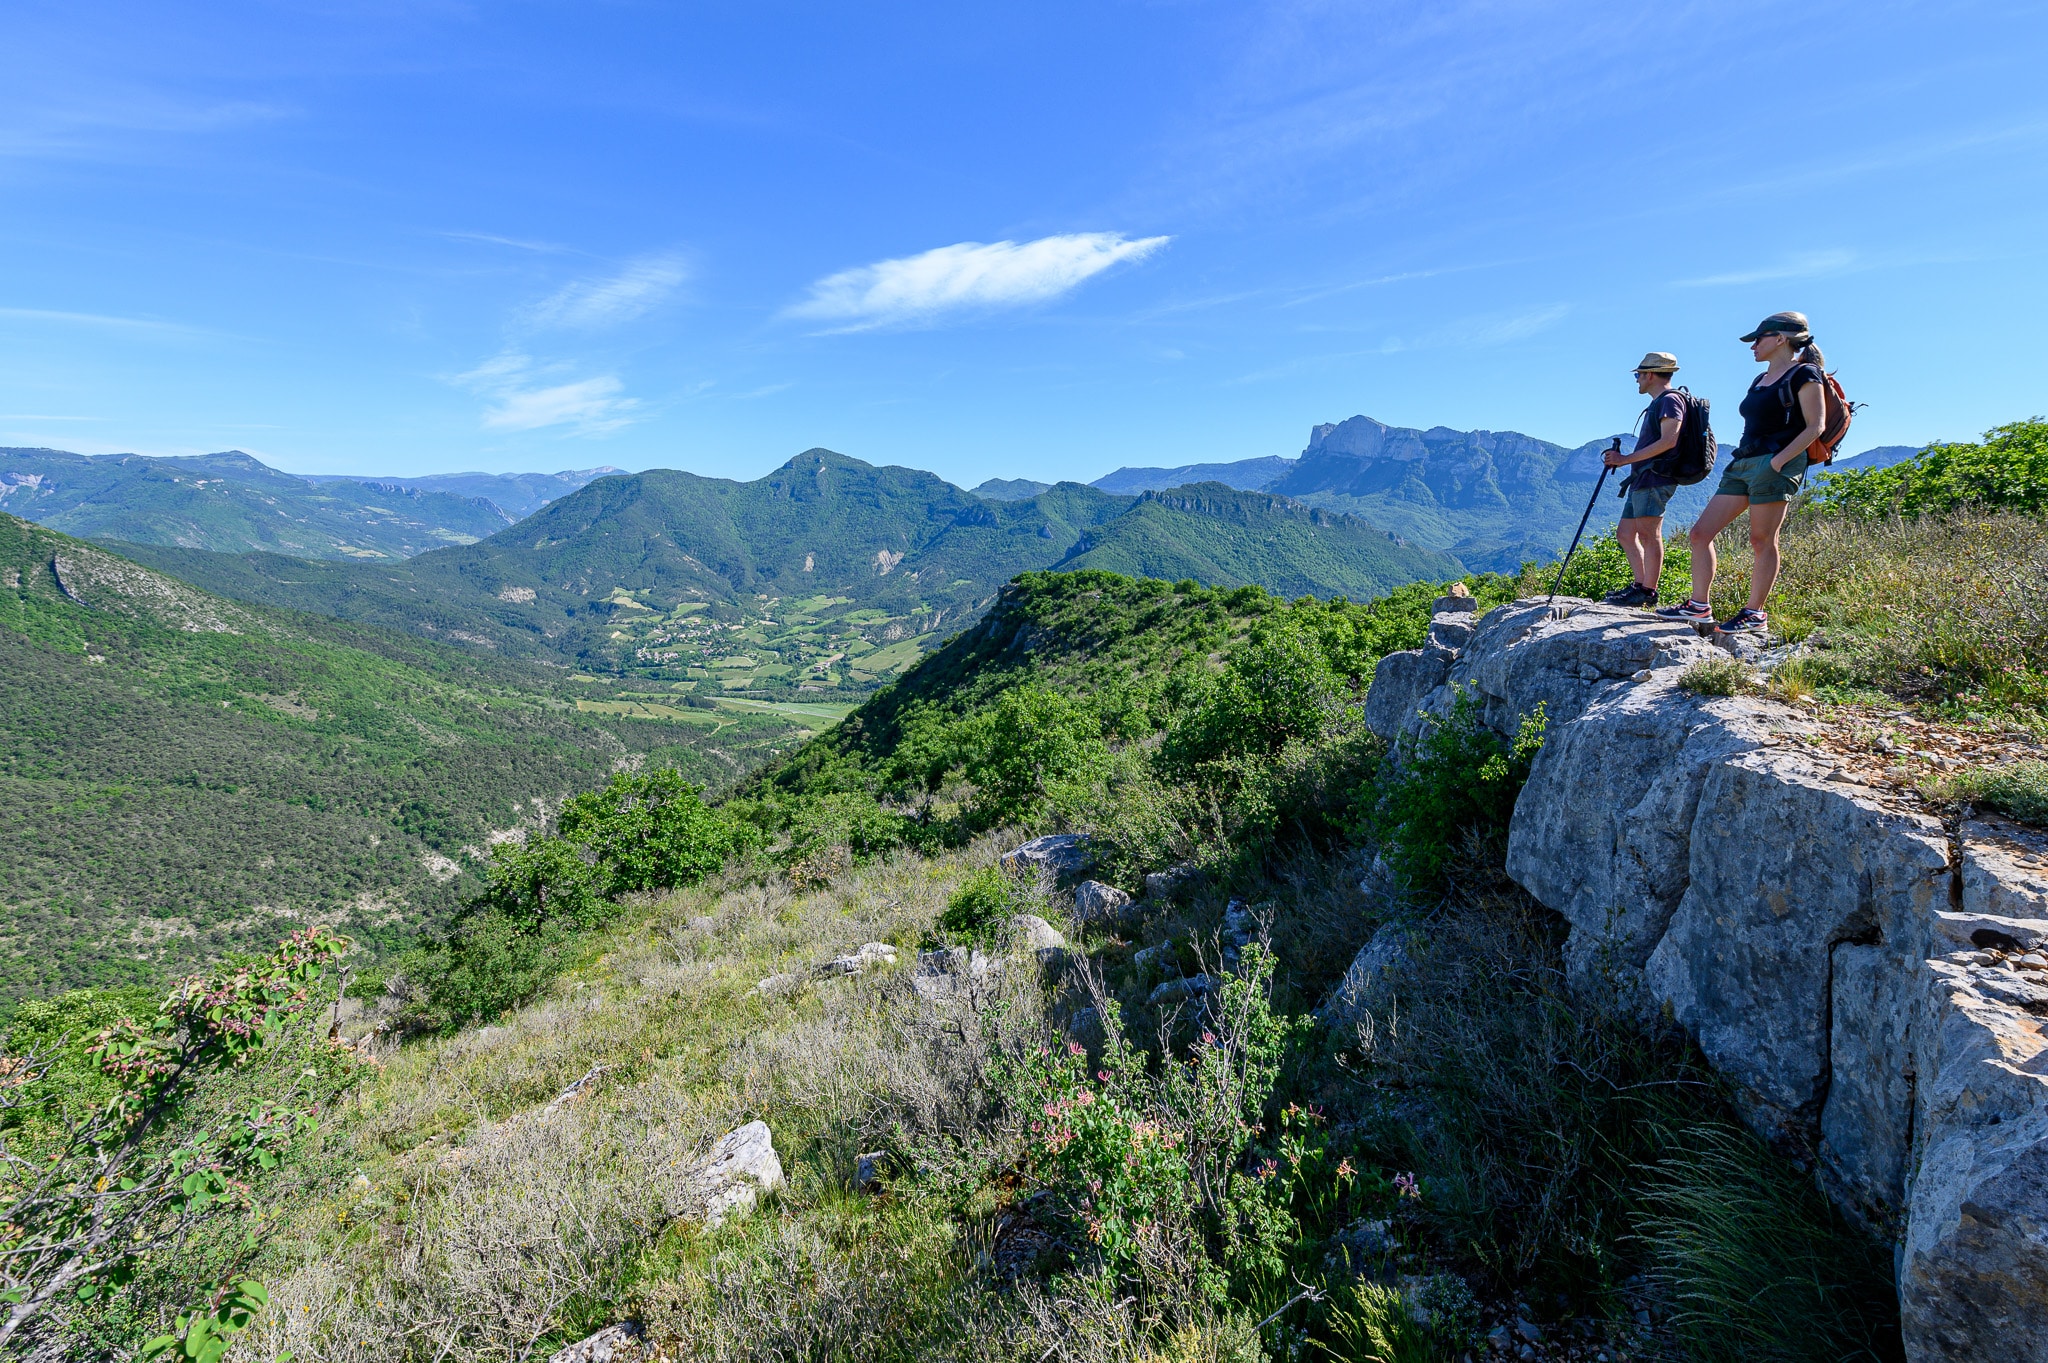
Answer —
1641 531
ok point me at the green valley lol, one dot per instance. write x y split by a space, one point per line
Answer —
822 580
182 776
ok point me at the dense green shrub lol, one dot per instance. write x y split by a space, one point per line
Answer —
1279 688
2007 471
1031 749
977 910
651 831
1456 789
542 881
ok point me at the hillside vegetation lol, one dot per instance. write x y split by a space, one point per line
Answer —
1144 1144
182 776
233 503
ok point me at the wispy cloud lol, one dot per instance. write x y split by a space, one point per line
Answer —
94 319
516 243
968 276
592 304
522 399
1798 267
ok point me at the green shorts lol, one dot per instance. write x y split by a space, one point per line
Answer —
1647 501
1755 479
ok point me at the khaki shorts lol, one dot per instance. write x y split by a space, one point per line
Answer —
1755 479
1647 501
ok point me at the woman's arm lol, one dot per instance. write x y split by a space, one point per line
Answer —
1813 405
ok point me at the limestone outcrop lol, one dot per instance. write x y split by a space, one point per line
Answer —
1874 984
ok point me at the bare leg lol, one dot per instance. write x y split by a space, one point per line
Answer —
1650 535
1764 521
1629 532
1720 513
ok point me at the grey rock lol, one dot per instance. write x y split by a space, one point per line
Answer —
1602 832
1400 683
1996 877
951 972
867 958
1973 1269
868 1170
1085 1026
1035 934
1362 1244
1453 604
1059 854
702 924
741 1167
1451 631
1783 866
613 1344
782 983
1865 1124
1171 881
1373 980
1097 903
1180 990
1158 955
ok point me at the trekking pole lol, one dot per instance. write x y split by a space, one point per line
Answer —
1600 482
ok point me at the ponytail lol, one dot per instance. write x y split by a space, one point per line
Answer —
1809 353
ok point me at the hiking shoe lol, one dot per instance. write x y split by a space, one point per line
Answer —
1745 621
1622 596
1637 595
1685 610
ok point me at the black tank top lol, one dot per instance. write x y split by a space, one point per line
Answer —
1771 418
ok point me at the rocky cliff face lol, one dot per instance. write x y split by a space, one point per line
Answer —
1868 978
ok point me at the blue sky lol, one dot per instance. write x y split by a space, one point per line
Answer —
1035 240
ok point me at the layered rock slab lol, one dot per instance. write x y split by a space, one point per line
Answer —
1857 972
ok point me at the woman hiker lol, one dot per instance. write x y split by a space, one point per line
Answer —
1641 531
1784 411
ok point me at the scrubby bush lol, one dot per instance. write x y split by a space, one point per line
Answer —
1717 677
976 911
2019 789
119 1153
2007 471
651 831
1456 789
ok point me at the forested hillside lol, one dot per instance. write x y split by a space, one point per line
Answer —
233 503
182 776
827 575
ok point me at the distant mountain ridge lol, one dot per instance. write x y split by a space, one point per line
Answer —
631 572
232 502
518 495
1492 498
1246 475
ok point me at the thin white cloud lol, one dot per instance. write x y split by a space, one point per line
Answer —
592 304
516 243
94 319
1799 267
522 400
967 276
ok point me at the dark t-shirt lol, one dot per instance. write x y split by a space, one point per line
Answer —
1769 422
1667 405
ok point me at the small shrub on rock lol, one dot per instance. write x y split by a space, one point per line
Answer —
1717 677
977 910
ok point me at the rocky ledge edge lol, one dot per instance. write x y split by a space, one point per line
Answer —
1873 983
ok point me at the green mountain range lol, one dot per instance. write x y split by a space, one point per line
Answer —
182 775
828 574
232 502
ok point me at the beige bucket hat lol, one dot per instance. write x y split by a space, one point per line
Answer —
1658 362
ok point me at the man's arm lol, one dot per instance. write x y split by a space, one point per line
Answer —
1664 444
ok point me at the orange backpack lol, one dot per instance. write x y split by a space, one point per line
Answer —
1836 414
